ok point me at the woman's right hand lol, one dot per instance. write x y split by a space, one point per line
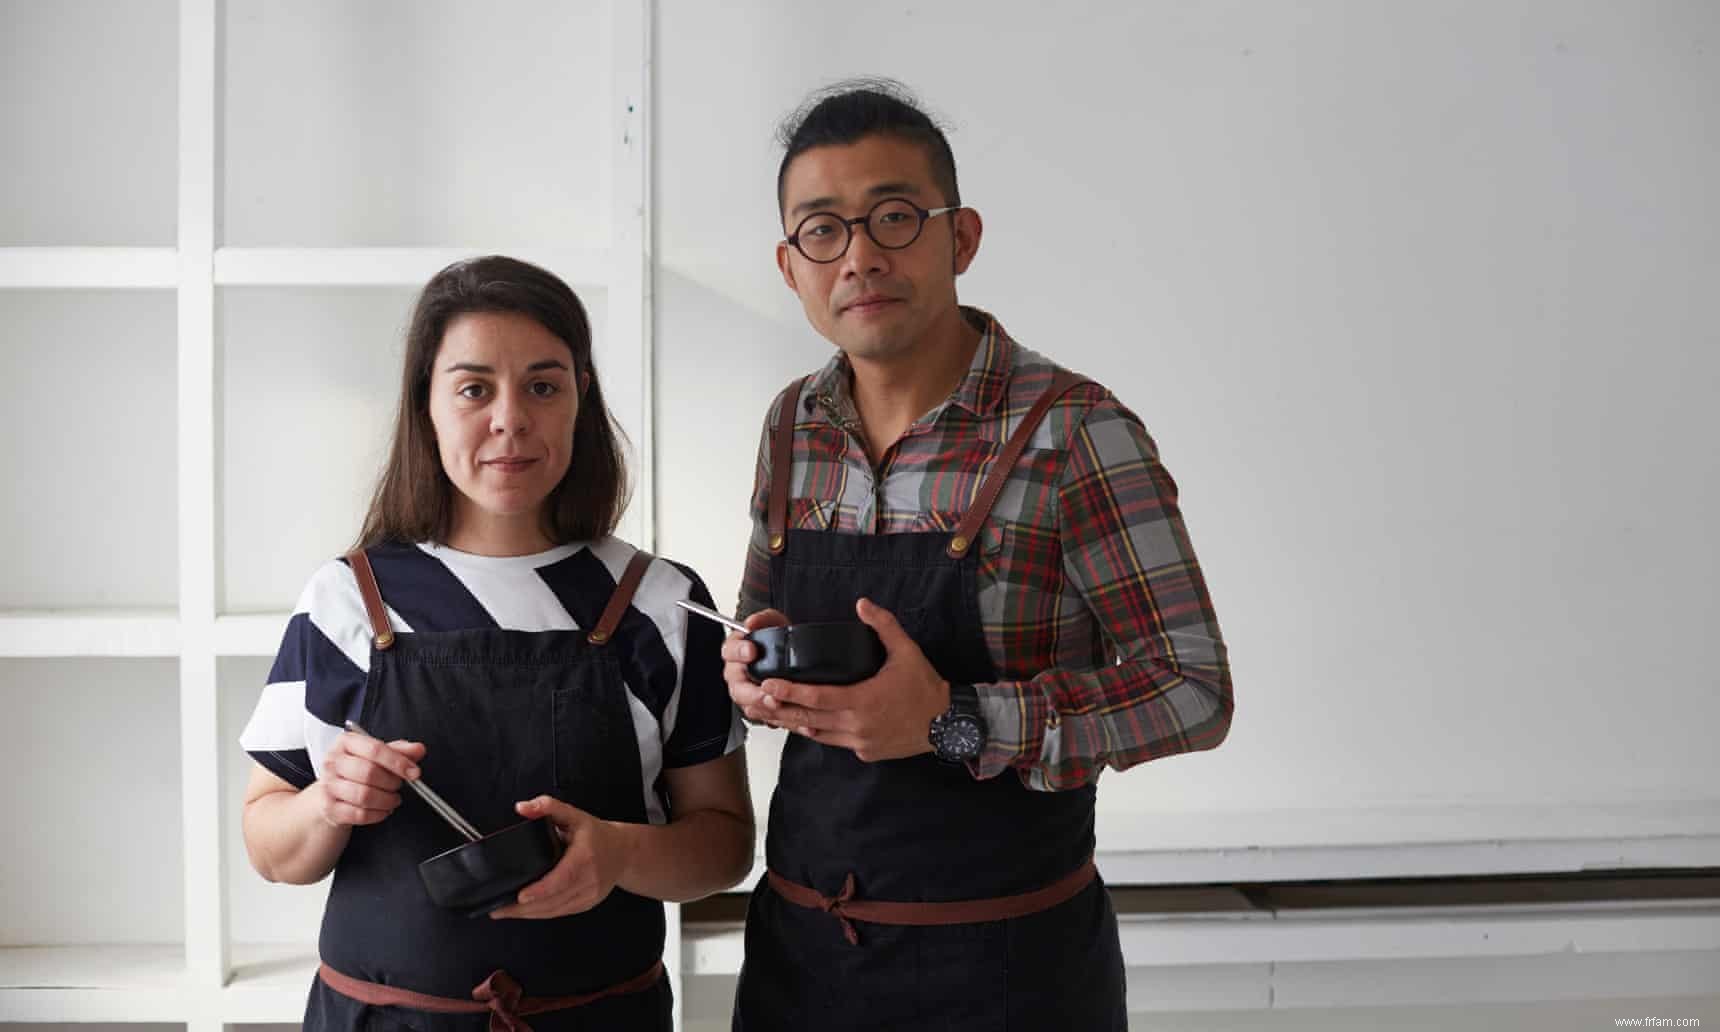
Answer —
361 778
737 653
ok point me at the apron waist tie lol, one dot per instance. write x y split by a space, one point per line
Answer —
499 994
846 909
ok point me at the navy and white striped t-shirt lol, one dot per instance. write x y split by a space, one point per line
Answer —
680 704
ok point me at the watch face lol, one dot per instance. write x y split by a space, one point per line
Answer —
960 738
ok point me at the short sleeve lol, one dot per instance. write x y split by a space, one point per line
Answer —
316 681
707 724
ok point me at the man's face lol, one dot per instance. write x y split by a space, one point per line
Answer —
874 303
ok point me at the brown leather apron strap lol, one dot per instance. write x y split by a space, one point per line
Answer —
846 909
621 599
499 995
382 635
968 529
781 466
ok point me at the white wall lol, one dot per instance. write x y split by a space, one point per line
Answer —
1415 298
1417 302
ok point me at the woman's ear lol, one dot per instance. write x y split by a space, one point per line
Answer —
584 382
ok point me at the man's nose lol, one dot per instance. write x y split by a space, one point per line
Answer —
865 257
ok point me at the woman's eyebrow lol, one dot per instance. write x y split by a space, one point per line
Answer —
474 367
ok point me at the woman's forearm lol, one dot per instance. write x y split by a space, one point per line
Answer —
287 838
692 856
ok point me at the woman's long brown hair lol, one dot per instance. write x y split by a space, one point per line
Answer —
414 499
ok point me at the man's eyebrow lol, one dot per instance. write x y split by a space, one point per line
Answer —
894 189
815 204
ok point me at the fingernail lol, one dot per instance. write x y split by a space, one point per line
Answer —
412 772
526 897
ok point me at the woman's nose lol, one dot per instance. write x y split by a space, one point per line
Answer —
509 416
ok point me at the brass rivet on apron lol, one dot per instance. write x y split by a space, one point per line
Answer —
597 637
775 542
385 639
959 544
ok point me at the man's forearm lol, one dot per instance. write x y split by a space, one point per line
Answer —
1061 729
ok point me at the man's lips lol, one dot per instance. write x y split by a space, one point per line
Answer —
869 303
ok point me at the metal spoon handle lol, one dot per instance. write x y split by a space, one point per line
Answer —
442 807
712 614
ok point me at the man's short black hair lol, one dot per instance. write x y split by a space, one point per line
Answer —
848 111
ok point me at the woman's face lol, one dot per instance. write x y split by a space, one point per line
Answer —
503 400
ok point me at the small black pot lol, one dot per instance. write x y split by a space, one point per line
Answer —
817 653
480 876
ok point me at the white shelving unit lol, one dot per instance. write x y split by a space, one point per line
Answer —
221 242
329 159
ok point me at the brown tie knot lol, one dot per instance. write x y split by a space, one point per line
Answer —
835 906
502 994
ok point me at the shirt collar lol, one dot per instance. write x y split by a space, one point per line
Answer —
979 392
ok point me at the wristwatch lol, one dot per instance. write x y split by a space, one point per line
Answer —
958 733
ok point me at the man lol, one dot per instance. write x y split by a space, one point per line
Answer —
1007 530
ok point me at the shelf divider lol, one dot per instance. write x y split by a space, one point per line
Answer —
200 729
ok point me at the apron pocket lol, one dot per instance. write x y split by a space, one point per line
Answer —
596 752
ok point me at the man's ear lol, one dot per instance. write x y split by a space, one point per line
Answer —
969 227
785 263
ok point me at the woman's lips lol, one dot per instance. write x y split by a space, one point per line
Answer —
510 465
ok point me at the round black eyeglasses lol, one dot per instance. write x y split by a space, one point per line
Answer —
893 223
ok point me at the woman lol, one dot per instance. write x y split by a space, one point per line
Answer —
527 664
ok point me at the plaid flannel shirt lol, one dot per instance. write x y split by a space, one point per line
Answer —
1094 609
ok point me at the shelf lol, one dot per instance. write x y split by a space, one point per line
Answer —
250 634
149 983
112 267
304 409
88 121
389 266
269 982
93 983
465 126
89 752
90 522
67 633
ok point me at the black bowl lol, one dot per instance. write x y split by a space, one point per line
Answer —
480 876
817 653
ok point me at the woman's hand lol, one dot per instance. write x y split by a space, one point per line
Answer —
361 778
596 854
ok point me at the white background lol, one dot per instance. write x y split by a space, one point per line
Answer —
1417 300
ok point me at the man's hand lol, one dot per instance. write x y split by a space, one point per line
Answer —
737 653
596 854
885 717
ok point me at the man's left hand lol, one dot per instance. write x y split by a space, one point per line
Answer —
885 717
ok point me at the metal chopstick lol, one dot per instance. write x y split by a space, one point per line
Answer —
712 614
437 803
